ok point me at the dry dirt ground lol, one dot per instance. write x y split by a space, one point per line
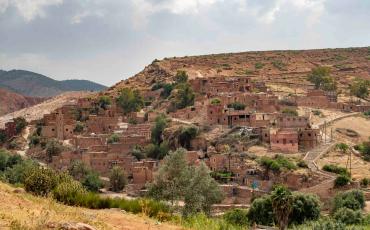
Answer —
37 111
35 213
361 125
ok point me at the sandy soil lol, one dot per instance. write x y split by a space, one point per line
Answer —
36 213
359 124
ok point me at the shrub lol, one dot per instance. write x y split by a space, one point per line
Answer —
117 179
20 123
34 140
78 128
104 101
335 169
114 138
200 221
342 180
353 199
92 182
40 181
291 112
365 182
4 156
316 112
348 216
260 211
305 207
236 106
167 89
181 76
18 172
184 96
130 100
157 130
215 101
186 135
68 192
258 65
237 217
323 224
302 164
53 148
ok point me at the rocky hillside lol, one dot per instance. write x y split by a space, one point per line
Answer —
36 85
10 102
24 211
288 67
37 111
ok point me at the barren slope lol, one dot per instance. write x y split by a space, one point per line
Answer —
10 101
37 111
288 68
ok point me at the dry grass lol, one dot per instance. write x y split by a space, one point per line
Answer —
24 211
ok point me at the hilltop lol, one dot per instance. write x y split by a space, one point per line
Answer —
281 67
36 85
11 101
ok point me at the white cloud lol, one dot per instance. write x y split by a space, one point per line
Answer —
78 18
28 9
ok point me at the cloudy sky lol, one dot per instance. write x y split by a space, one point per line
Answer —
109 40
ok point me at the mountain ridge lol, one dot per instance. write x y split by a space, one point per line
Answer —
33 84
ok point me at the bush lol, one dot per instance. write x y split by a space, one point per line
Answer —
186 135
291 112
130 100
305 207
365 182
215 101
68 192
78 128
20 123
258 65
236 106
260 211
117 179
181 76
40 181
4 156
104 101
92 182
323 224
53 148
342 180
335 169
348 216
34 140
18 172
201 222
114 138
184 96
237 217
302 164
353 199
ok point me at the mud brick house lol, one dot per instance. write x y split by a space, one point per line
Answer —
192 157
101 124
318 99
60 124
288 121
143 172
308 138
85 142
218 114
142 130
354 107
285 140
85 103
212 86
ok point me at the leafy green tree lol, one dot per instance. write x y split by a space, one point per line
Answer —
186 135
117 179
67 192
20 124
78 170
130 100
181 77
360 88
167 89
114 138
352 199
201 192
317 74
282 205
260 211
13 160
40 181
184 96
305 207
53 148
79 127
3 136
157 130
342 147
237 217
92 182
215 101
348 216
236 106
18 172
4 156
342 180
172 178
104 102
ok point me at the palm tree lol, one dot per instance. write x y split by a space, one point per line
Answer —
282 204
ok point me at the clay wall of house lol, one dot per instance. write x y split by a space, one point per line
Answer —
141 175
261 119
64 159
265 135
84 103
287 121
218 162
353 107
143 130
284 140
308 138
98 148
99 124
48 131
122 148
49 119
215 114
86 142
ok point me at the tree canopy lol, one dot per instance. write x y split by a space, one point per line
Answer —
130 100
